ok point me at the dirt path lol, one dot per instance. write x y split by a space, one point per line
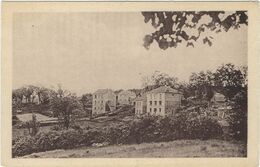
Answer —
180 148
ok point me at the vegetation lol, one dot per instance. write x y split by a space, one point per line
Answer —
173 28
33 125
148 129
185 124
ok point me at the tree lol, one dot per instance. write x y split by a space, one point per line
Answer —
63 105
238 116
28 91
17 96
86 101
201 84
63 108
33 125
230 80
172 28
159 79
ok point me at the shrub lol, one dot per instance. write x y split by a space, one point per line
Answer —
93 136
201 127
23 146
47 141
69 139
56 128
184 125
118 134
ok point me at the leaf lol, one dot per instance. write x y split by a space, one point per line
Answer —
206 40
190 44
148 39
170 24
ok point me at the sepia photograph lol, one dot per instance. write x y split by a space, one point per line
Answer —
129 84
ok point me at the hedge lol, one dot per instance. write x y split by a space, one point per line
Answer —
148 129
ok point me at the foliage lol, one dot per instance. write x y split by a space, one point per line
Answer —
23 146
230 79
201 84
63 108
227 79
172 28
238 116
30 92
33 125
158 79
147 129
86 101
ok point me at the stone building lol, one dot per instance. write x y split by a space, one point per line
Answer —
104 100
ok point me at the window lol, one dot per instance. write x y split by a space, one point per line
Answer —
155 102
95 96
151 102
150 109
155 109
160 110
160 95
160 102
94 108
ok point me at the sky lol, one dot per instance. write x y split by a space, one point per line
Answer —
88 51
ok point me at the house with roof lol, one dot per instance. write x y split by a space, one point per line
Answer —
104 100
125 97
140 105
163 101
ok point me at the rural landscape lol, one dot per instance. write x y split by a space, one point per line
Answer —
86 97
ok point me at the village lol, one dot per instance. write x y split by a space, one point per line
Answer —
163 101
38 111
135 85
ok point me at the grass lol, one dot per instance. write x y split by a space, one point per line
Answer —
178 148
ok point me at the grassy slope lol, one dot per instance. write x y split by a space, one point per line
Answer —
179 148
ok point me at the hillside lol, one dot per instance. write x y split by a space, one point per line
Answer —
178 148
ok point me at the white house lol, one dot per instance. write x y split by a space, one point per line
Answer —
140 105
163 101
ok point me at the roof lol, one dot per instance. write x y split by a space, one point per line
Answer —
219 97
126 92
140 98
103 91
164 89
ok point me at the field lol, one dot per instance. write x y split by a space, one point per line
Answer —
178 148
28 117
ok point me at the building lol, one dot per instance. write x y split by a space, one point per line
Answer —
218 99
163 101
140 105
219 104
104 100
125 97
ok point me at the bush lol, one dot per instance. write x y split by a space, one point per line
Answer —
47 141
118 134
184 125
201 127
69 139
23 146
